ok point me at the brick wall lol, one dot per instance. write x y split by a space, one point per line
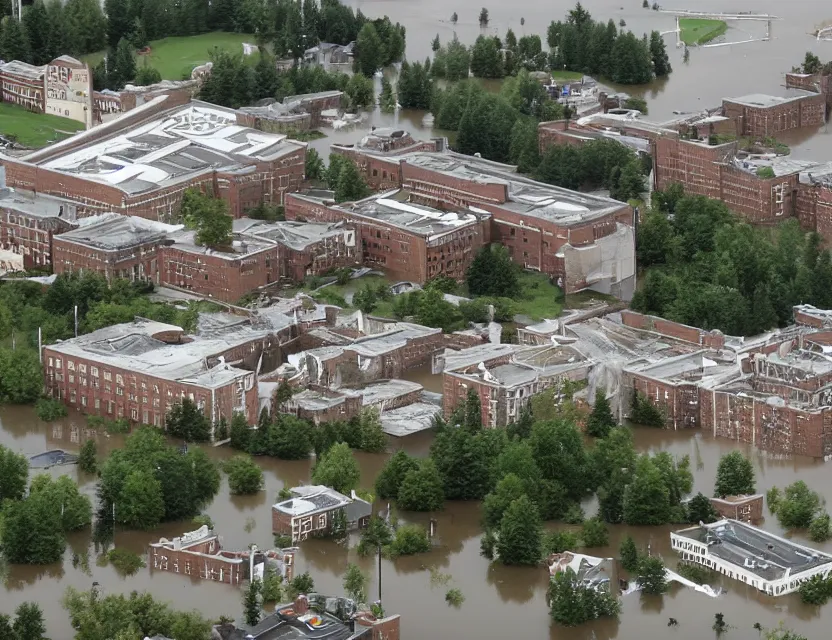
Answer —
198 561
23 91
139 262
680 402
748 509
31 236
711 340
758 200
139 397
690 164
806 111
218 276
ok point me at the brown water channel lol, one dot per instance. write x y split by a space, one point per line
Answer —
711 74
499 600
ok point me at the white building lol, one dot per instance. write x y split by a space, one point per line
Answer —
767 562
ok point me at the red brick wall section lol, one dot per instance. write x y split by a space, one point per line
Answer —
711 340
807 111
758 200
690 164
436 187
218 277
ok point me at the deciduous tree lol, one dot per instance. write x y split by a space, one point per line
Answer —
337 469
244 475
421 488
651 575
734 476
519 541
395 469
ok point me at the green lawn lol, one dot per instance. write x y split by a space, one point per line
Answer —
566 76
699 30
35 129
538 298
177 56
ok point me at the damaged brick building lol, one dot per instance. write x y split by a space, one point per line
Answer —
142 162
583 241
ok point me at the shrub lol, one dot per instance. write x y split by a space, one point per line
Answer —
695 573
49 409
454 597
409 540
125 562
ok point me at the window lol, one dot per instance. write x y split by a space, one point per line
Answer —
72 377
70 365
119 379
512 232
206 276
144 386
58 364
375 172
119 391
322 521
83 401
97 403
144 399
108 375
72 396
134 414
156 402
51 362
145 417
94 372
132 397
82 368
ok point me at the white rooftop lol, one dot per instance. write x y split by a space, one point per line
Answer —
178 144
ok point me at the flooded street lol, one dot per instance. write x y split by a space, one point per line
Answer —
498 598
711 74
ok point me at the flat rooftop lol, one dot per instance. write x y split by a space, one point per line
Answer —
693 367
764 100
766 555
394 209
525 196
396 336
410 419
291 233
311 499
36 205
175 146
462 358
132 347
241 245
23 69
386 390
113 231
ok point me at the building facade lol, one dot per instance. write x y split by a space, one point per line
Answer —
29 223
314 511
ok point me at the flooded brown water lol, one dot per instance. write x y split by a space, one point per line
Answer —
711 74
498 599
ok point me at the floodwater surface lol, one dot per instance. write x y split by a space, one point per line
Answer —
498 600
711 74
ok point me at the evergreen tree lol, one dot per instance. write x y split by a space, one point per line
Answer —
351 185
435 44
314 167
561 166
87 458
121 65
600 421
492 273
187 421
251 602
629 184
646 498
369 53
473 411
658 53
485 59
373 439
14 42
628 554
266 78
519 541
465 461
37 27
700 509
119 21
141 501
734 476
28 623
86 26
387 99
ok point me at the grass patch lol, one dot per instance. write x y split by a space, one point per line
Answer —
173 57
700 30
538 298
34 129
305 136
581 299
566 76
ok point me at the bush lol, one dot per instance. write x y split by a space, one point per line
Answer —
125 562
695 573
595 533
628 553
244 475
643 412
409 540
87 458
798 507
559 541
49 409
819 529
816 590
301 584
651 575
574 515
454 597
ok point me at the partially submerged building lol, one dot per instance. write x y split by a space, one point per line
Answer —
760 559
315 616
314 510
199 554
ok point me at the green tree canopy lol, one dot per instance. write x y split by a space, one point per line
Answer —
734 476
492 273
651 575
573 603
600 421
337 469
187 421
395 469
519 541
421 489
33 532
244 475
14 474
497 502
209 217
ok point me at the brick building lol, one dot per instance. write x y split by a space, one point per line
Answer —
505 377
141 163
759 115
28 224
139 370
199 554
581 240
312 510
113 245
407 240
742 508
295 113
23 85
